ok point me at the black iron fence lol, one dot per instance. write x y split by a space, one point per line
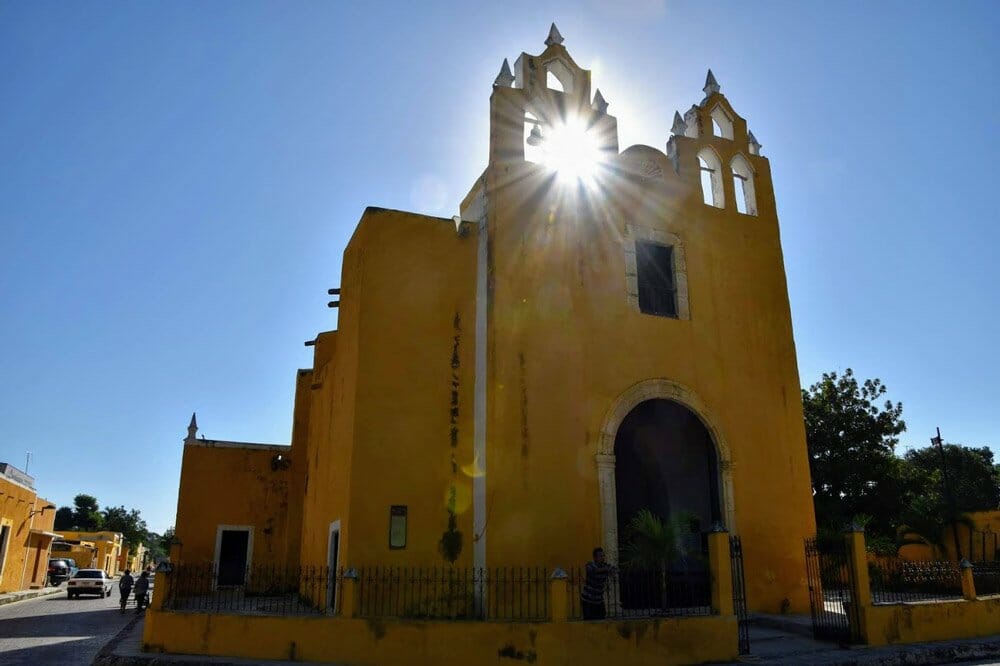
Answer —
261 590
894 580
739 594
454 593
634 593
831 578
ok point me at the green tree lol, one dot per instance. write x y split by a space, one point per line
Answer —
129 523
87 516
972 475
64 518
851 441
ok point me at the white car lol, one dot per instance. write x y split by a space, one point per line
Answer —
89 581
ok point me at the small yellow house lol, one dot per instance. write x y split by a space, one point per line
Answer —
25 531
107 548
599 331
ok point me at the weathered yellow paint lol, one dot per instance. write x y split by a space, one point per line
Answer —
235 485
345 641
931 621
978 543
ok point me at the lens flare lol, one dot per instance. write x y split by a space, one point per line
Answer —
571 151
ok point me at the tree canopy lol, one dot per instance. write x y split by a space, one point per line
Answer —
857 475
851 442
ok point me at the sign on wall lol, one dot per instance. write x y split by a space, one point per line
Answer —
397 526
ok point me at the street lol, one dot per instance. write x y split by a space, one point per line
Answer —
57 630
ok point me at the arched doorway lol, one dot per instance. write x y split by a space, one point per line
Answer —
665 462
653 390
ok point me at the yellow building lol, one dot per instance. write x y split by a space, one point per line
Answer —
107 548
600 331
25 531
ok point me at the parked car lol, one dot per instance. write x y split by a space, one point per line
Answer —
61 569
89 581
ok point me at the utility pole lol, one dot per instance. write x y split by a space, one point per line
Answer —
948 497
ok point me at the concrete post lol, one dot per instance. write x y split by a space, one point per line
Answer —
349 593
164 582
720 569
861 590
559 595
968 581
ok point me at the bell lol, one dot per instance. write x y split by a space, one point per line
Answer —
535 138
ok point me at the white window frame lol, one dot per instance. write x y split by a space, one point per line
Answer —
218 545
635 233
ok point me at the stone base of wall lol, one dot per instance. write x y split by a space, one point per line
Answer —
356 641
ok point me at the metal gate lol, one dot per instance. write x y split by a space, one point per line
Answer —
740 593
831 577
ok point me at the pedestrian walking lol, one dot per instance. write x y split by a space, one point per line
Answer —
142 592
125 586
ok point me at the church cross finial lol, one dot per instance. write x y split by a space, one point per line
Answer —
554 36
711 85
505 78
600 105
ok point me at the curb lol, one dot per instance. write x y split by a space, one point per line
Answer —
15 597
107 653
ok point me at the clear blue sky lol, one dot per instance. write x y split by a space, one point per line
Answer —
178 181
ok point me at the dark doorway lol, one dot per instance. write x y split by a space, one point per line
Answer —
233 549
4 543
334 574
665 461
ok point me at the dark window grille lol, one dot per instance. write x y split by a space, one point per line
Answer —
895 580
831 578
655 273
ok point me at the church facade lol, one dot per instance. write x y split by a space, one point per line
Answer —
600 331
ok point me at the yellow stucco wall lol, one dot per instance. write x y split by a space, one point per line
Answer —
980 547
931 621
564 344
353 641
25 562
234 485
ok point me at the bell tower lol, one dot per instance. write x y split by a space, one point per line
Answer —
541 95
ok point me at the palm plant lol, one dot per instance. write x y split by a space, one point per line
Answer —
654 544
926 522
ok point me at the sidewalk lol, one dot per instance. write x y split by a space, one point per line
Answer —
768 645
11 597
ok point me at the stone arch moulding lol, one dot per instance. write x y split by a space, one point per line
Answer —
652 389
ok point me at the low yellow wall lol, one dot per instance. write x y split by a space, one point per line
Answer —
931 621
358 641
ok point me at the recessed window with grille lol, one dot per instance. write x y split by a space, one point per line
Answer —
655 272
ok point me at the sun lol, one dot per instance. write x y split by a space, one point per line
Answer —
571 151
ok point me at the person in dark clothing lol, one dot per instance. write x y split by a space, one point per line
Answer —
125 587
592 594
142 592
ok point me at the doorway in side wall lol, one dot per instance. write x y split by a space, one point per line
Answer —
4 543
333 562
233 554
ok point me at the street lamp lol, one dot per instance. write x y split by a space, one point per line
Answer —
938 443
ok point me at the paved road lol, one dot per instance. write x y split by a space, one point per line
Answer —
57 630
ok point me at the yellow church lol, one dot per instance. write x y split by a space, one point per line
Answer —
599 331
